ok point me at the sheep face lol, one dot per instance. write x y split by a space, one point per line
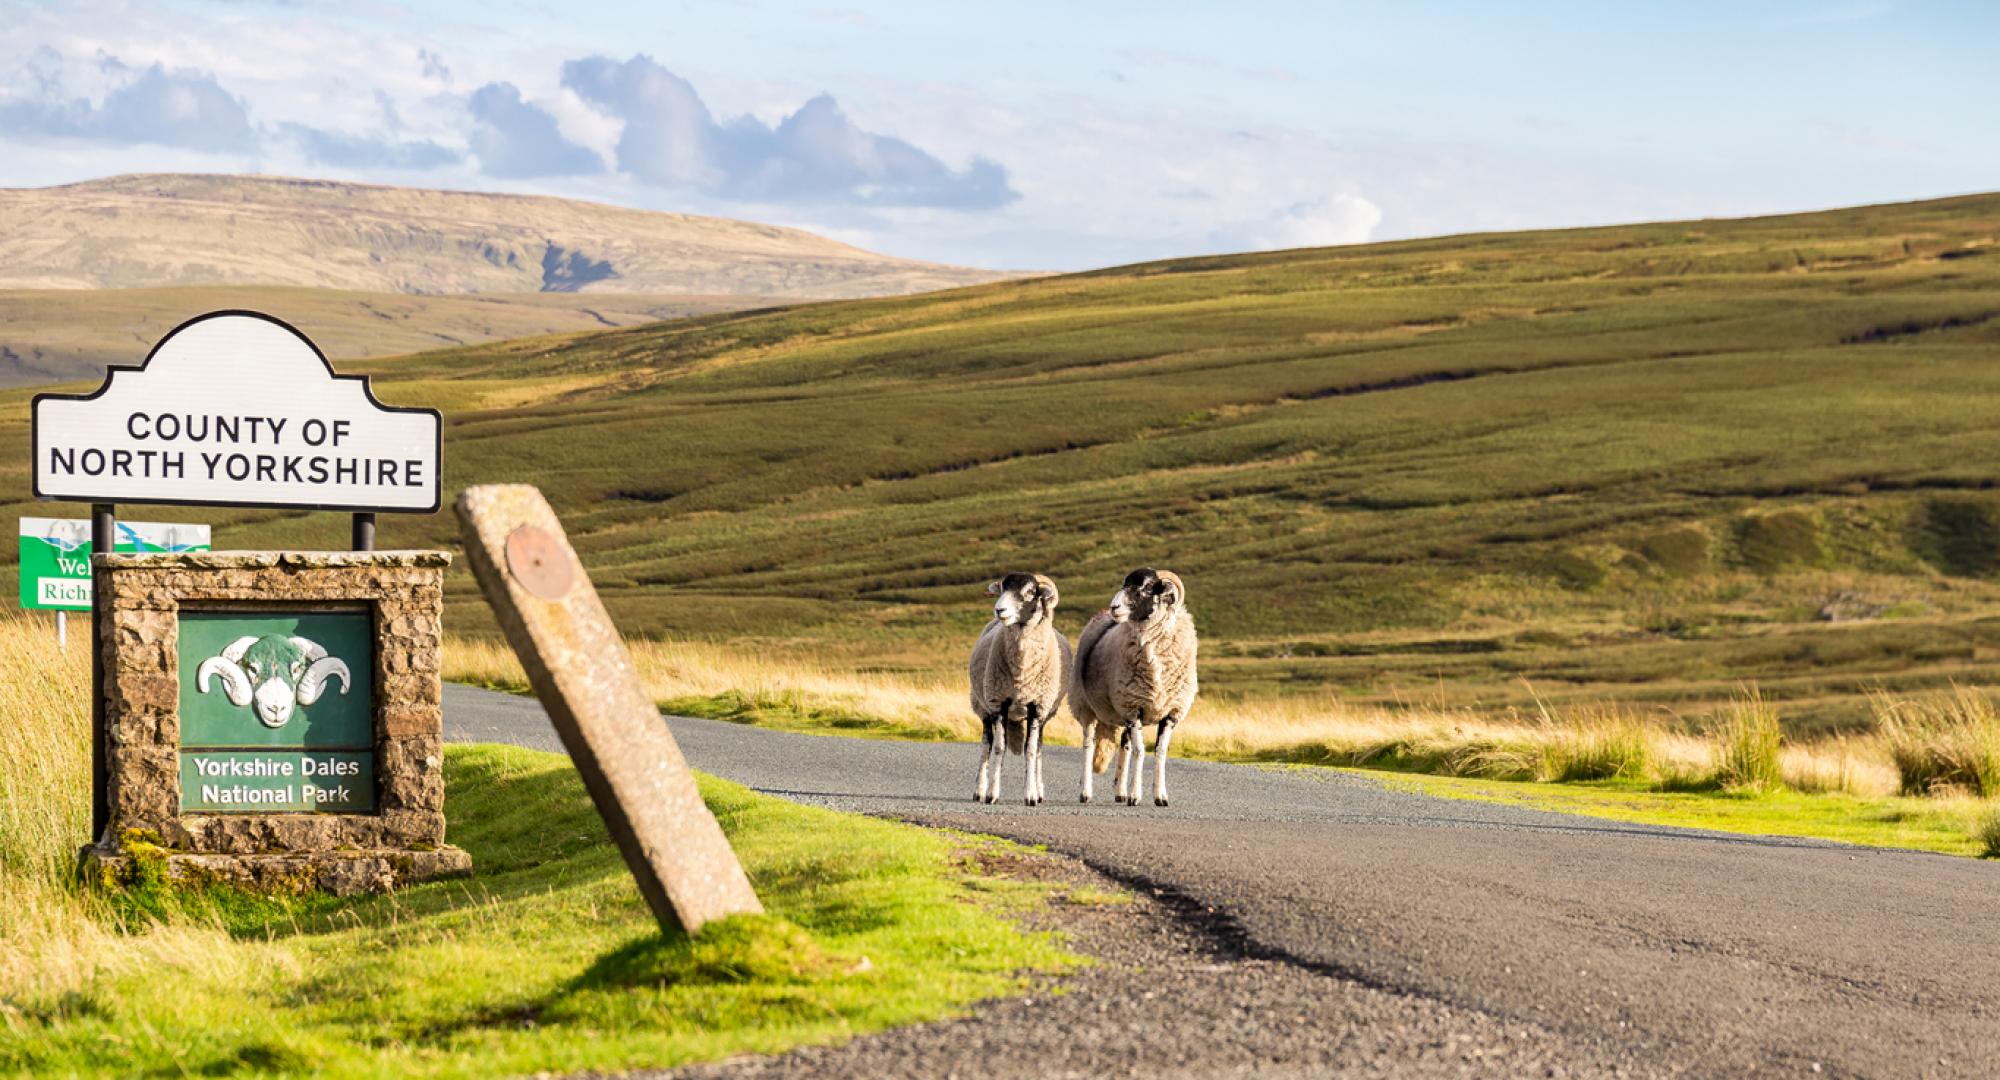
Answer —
1148 593
1023 599
273 674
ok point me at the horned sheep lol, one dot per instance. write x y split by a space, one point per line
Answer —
276 672
1020 671
1135 665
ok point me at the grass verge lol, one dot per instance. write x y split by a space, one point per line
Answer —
1948 826
547 960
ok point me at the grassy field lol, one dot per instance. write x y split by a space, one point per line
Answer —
545 961
1650 465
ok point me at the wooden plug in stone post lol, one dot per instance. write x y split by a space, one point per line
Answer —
613 731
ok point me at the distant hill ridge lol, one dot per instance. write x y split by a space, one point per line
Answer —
156 230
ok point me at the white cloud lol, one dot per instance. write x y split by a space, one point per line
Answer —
180 107
1333 219
814 154
516 138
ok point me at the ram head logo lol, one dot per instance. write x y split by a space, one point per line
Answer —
277 672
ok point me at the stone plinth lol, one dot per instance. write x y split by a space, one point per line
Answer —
401 838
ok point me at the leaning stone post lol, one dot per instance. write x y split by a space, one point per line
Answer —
584 677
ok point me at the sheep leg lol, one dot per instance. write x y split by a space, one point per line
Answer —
1118 779
1041 789
1041 792
1135 748
990 729
1160 753
1032 750
1089 752
998 750
1126 781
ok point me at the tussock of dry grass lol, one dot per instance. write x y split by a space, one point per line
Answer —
1943 741
1595 743
1749 746
1987 832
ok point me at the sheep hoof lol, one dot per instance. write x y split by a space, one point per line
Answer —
1159 800
1083 798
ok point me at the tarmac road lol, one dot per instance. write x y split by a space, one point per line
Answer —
1386 926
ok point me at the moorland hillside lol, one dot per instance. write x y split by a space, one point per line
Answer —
1653 462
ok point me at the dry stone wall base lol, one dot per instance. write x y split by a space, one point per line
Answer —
344 873
340 853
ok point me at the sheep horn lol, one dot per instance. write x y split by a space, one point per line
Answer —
1173 581
1048 588
234 651
313 682
235 681
311 649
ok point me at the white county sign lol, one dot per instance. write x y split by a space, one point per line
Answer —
236 408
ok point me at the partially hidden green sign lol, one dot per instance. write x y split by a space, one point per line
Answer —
55 556
277 712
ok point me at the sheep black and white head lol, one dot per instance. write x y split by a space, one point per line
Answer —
1023 599
1148 594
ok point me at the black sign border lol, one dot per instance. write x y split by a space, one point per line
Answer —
35 429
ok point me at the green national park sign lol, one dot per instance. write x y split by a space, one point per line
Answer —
277 711
55 556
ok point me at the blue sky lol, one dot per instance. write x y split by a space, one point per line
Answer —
1029 134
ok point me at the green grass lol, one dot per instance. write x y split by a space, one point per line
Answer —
791 711
547 960
1950 827
1636 463
1987 832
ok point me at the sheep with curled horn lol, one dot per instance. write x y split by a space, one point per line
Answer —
1020 670
276 673
1135 665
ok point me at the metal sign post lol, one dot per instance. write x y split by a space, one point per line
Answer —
103 537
